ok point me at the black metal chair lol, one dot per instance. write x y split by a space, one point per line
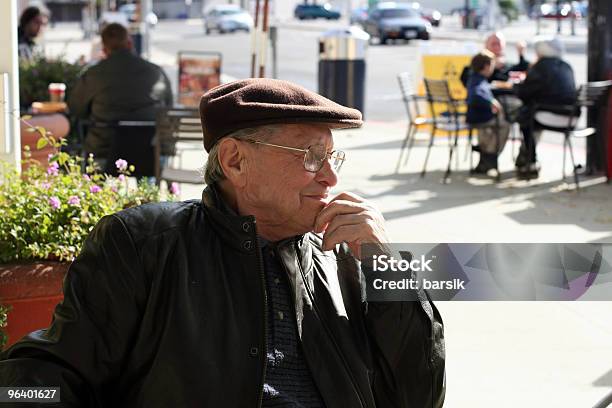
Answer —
415 118
564 118
178 130
451 120
130 140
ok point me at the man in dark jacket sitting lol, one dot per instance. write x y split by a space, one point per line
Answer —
251 297
122 86
549 81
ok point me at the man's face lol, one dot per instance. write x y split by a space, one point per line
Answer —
32 29
495 45
279 190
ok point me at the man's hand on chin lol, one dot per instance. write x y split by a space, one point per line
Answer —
351 219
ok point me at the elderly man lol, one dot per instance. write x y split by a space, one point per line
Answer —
250 297
550 81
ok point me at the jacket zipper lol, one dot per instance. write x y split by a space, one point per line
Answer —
327 330
265 315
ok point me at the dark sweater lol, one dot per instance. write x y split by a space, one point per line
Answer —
480 99
288 382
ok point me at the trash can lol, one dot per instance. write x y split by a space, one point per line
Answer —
342 66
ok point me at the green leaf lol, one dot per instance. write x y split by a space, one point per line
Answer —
42 131
63 158
42 142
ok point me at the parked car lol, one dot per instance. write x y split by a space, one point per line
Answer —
227 18
307 11
396 21
359 16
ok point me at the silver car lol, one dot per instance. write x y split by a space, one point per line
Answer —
227 19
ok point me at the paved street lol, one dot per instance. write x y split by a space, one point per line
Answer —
499 354
298 56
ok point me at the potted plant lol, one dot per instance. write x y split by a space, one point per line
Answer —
36 75
47 212
34 79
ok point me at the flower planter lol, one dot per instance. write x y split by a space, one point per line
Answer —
32 289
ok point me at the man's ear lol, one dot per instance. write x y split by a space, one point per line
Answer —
231 156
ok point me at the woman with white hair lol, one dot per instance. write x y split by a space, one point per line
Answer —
549 81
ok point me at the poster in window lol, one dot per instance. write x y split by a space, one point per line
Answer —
198 72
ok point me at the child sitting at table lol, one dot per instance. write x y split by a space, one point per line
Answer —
485 112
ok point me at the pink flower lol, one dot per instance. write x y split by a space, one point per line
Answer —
175 188
53 169
121 177
74 200
95 189
114 189
86 177
121 165
54 202
45 185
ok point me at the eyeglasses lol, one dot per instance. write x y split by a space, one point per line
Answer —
314 156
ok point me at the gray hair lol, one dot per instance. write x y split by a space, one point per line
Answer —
213 171
548 47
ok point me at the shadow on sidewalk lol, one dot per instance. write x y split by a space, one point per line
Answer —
544 202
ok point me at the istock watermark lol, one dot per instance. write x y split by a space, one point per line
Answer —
488 271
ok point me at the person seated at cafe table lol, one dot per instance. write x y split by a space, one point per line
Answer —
549 81
31 23
122 86
485 113
496 44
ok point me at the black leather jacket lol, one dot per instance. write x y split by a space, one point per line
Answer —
165 307
549 81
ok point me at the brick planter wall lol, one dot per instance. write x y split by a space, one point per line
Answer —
33 290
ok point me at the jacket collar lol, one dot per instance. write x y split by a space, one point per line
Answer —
239 231
235 230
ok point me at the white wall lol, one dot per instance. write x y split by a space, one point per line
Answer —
10 143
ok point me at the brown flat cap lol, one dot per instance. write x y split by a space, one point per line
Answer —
262 101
